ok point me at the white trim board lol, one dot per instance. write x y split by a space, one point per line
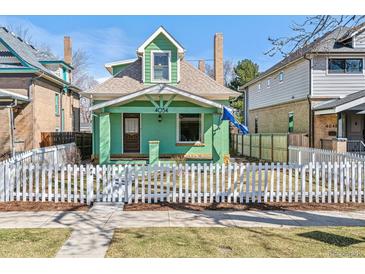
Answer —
109 66
156 89
160 30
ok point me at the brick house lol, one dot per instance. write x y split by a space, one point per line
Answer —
36 94
317 90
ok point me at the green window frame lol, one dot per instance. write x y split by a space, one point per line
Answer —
57 104
291 122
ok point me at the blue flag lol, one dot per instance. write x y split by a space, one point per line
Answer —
227 115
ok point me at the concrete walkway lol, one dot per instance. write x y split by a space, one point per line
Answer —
93 230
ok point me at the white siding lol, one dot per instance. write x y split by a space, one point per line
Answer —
334 85
295 86
359 40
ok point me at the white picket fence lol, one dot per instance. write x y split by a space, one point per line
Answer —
305 155
59 154
233 183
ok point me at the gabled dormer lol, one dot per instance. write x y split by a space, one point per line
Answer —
161 55
354 38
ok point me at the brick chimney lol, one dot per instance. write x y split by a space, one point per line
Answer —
218 58
67 50
201 65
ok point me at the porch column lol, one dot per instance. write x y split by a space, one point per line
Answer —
341 127
104 138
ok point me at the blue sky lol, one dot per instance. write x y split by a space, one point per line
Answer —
112 38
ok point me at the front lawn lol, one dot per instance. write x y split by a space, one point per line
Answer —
32 242
238 242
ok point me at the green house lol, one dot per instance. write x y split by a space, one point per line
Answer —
159 107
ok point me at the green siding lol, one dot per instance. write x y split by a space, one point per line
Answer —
107 135
119 68
104 138
116 133
160 43
95 135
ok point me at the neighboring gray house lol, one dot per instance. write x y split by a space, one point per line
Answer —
317 90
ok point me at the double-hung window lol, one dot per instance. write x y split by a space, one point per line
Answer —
345 65
161 66
189 128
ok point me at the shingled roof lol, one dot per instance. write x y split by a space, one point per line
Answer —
24 50
340 101
191 80
328 43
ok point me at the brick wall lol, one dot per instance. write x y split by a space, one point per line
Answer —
323 125
4 132
33 118
275 119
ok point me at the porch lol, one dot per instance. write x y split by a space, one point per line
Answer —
161 126
342 120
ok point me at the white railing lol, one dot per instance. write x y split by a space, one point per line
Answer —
232 183
60 154
305 155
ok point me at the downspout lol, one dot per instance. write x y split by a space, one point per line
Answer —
310 112
11 125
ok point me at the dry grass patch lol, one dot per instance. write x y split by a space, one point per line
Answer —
334 242
32 242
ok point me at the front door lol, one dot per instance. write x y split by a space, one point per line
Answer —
131 133
356 127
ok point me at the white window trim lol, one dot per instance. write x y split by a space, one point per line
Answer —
259 87
281 80
268 82
345 57
201 137
152 66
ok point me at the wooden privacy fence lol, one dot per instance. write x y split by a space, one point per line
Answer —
232 183
60 154
269 147
83 141
305 155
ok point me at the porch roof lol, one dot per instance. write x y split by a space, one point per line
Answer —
158 89
6 95
337 105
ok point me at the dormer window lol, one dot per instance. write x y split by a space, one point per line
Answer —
160 66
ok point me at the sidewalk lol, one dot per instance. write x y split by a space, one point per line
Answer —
93 230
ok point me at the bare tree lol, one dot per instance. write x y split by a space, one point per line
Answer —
308 31
81 76
22 32
228 71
